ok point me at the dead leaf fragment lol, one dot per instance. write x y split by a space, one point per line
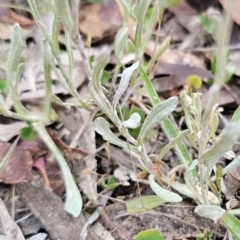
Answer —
9 16
99 20
49 209
70 154
8 131
18 167
54 175
177 75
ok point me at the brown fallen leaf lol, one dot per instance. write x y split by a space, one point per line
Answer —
70 154
45 163
9 16
177 66
177 75
18 167
54 175
99 20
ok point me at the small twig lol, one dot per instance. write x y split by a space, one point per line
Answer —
108 221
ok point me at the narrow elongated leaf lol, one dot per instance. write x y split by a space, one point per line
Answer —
148 86
232 224
99 64
128 7
216 213
17 47
167 3
56 29
212 212
149 27
73 204
48 80
224 144
160 50
103 104
65 14
120 43
96 89
183 189
8 155
165 195
157 114
15 67
101 126
192 181
125 79
143 204
172 143
140 12
232 165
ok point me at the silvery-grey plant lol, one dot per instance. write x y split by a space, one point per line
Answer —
201 126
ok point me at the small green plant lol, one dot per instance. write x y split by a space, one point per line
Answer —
110 184
201 126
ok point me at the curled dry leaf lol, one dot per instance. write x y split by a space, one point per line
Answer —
70 154
18 167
